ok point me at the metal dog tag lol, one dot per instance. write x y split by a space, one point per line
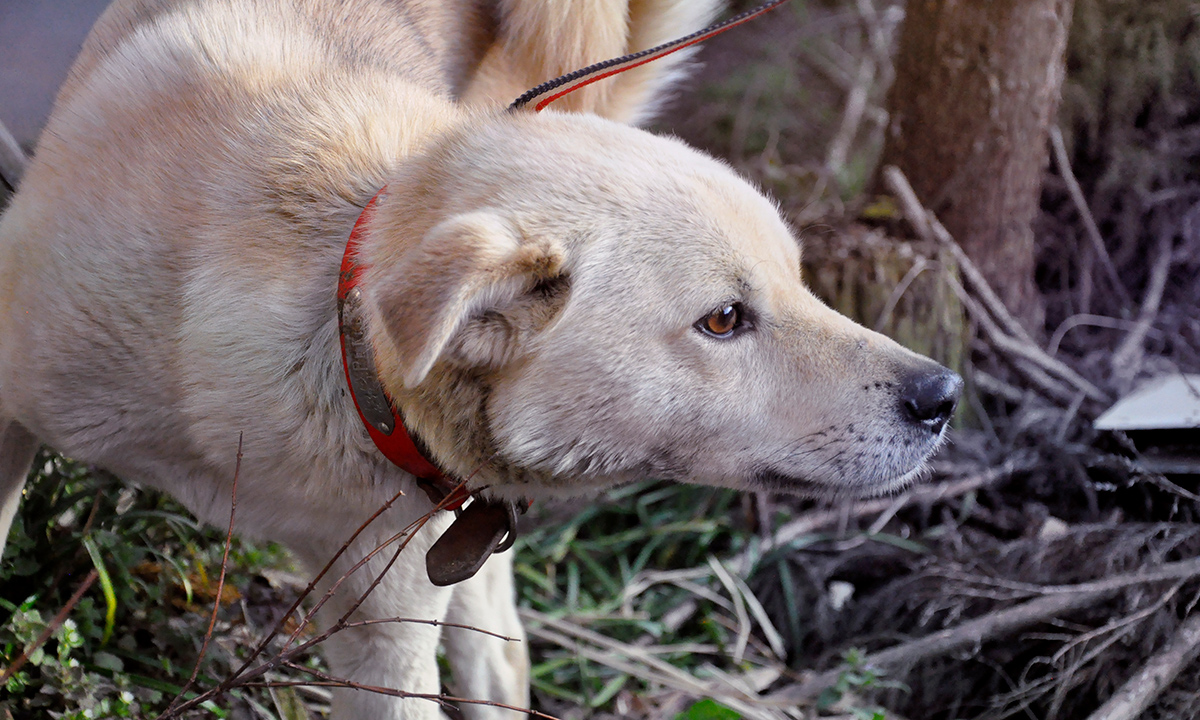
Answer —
469 541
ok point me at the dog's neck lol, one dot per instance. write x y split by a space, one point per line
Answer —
378 412
486 526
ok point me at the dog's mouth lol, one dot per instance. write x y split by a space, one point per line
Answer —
851 486
776 481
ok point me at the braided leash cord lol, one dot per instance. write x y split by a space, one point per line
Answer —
551 90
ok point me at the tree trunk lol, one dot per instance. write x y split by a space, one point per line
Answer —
977 86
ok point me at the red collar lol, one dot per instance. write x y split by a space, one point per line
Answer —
375 408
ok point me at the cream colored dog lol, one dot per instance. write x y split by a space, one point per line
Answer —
556 302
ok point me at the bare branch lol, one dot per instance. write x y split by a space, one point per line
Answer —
1001 327
1159 671
929 229
1089 222
1056 600
1127 359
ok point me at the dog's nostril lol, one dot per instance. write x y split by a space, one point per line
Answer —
929 398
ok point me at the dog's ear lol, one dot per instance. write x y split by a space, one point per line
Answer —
464 268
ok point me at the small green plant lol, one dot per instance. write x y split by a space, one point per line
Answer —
708 710
856 677
131 642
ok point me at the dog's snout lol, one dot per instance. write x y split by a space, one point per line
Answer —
929 397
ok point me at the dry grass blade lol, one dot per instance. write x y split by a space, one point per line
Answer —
774 639
739 609
661 670
636 662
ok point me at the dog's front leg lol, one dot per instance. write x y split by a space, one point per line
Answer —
395 654
487 667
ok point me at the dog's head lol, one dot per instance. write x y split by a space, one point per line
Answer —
565 302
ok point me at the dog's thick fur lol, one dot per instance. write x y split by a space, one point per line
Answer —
168 274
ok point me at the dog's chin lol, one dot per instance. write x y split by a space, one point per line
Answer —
849 488
870 481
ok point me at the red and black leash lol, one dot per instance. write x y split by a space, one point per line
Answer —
551 90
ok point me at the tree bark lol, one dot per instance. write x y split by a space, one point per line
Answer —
977 87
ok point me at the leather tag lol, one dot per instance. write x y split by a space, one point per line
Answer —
468 542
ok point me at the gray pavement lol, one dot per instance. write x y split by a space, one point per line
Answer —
38 41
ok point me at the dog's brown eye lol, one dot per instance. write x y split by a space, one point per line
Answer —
722 321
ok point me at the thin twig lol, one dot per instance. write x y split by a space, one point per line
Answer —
1088 319
12 159
1002 328
1085 213
994 386
407 533
279 624
811 522
396 556
243 676
246 676
1127 359
856 105
54 624
928 228
435 623
327 680
1037 367
212 621
1017 343
920 266
1159 671
1162 482
1112 627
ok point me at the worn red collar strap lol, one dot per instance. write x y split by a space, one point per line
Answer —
486 526
375 408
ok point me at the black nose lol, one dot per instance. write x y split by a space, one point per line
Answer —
929 397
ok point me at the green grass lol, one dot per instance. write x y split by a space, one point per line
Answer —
131 642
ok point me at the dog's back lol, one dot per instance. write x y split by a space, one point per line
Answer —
436 43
